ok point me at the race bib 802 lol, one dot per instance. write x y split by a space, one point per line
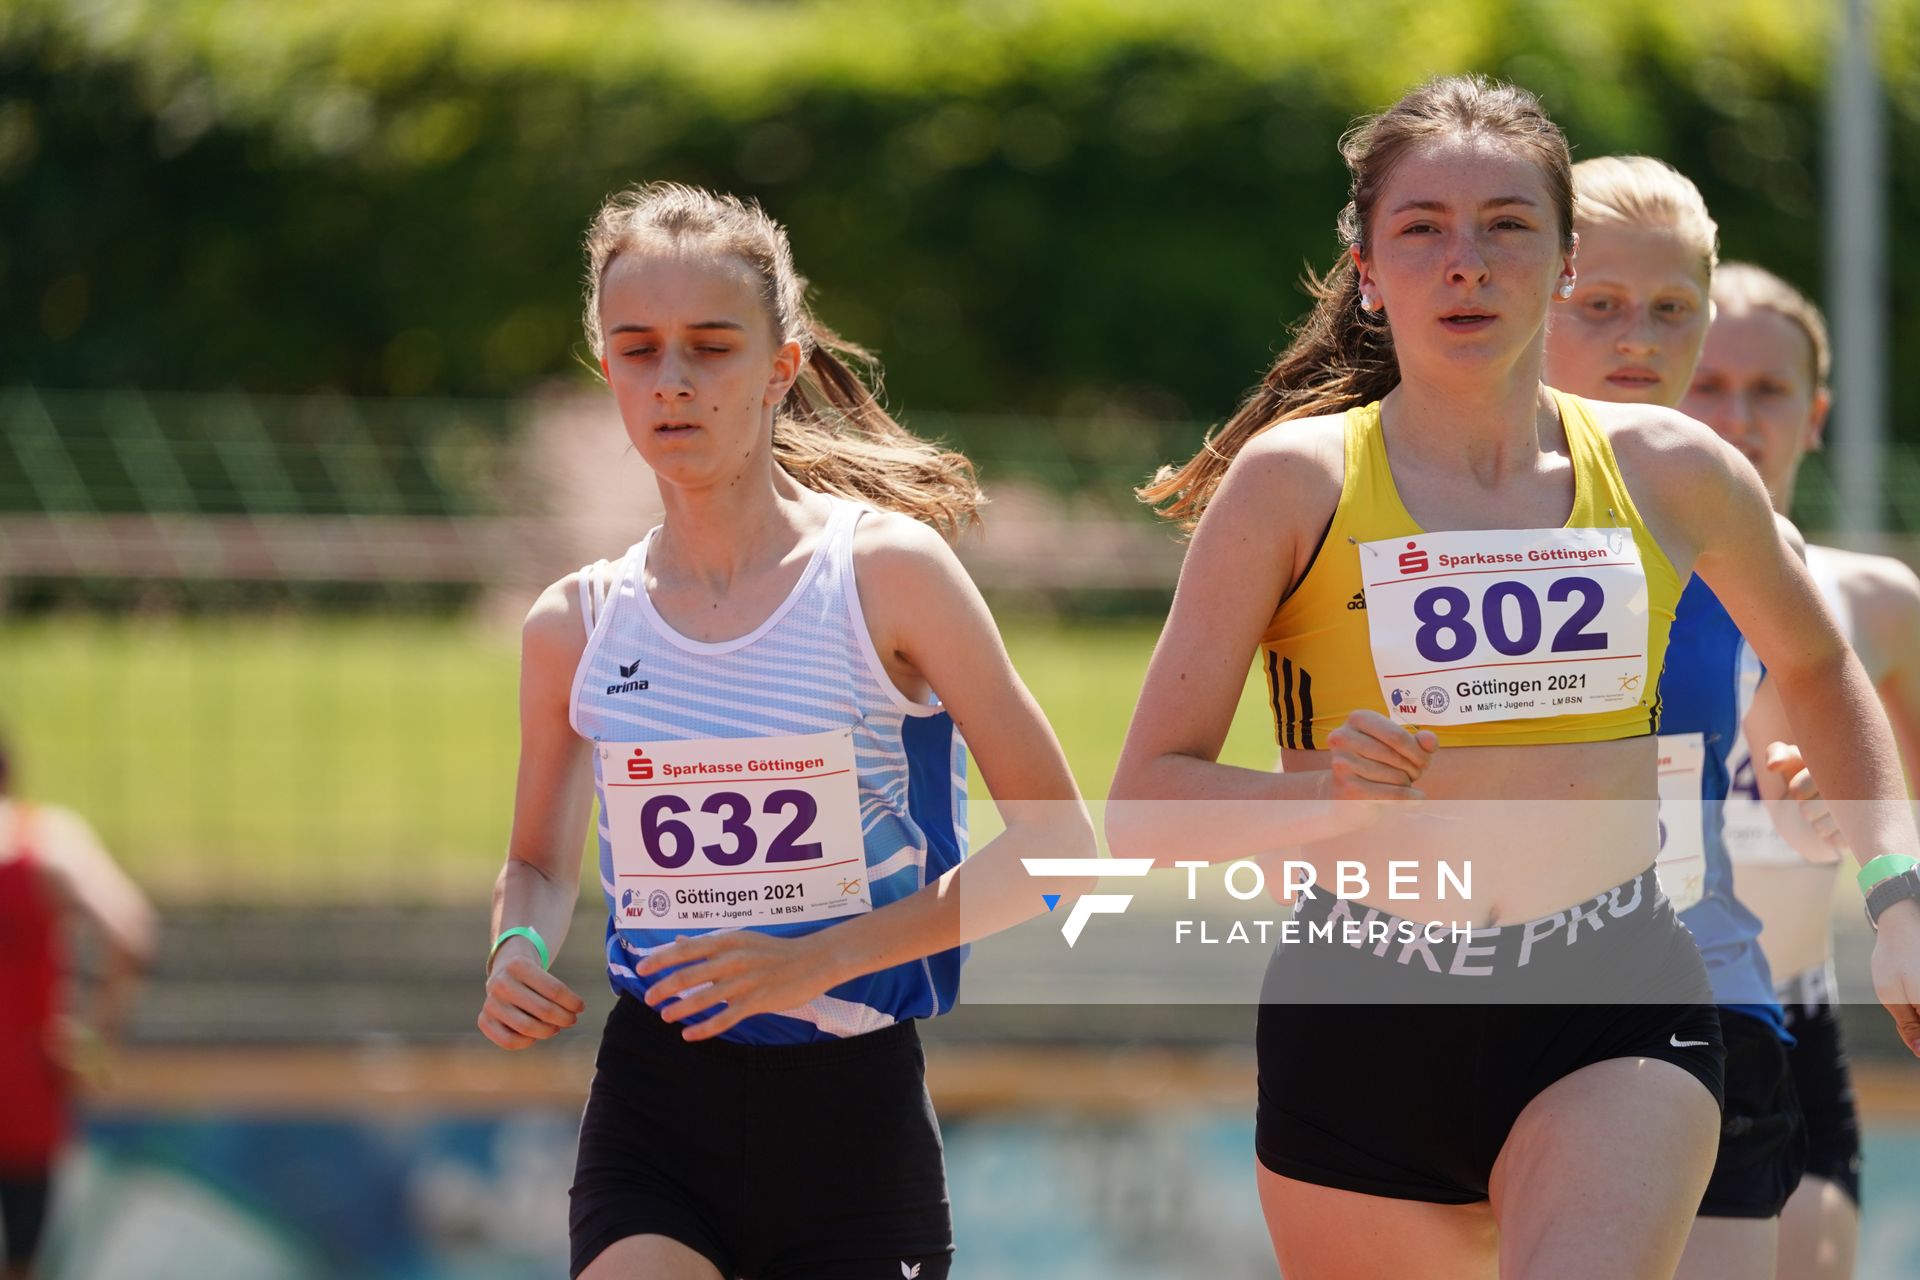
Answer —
725 832
1506 624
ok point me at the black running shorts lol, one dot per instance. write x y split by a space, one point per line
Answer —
23 1214
775 1162
1823 1081
1763 1140
1398 1069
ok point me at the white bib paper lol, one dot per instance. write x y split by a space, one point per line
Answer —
1506 624
1752 839
724 832
1682 864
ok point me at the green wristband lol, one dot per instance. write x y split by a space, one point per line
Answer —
1884 867
526 931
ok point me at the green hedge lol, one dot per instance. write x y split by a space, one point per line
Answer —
1079 206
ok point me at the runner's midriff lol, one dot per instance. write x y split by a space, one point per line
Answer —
1540 826
1795 902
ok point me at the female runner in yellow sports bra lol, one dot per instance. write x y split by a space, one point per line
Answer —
1435 549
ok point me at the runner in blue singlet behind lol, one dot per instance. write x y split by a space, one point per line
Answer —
1632 331
1762 384
768 695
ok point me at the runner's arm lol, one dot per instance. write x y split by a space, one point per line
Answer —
92 884
1799 813
1888 610
553 796
1715 496
1831 704
923 608
1239 566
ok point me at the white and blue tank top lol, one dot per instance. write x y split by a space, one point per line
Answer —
810 671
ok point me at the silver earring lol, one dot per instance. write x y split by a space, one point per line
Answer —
1565 290
1368 302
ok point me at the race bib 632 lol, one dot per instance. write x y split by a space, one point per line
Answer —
725 832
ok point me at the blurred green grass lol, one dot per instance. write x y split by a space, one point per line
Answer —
305 759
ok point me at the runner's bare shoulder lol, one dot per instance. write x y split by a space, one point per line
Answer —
1683 477
1874 579
77 869
554 634
1666 446
891 547
1298 466
1884 596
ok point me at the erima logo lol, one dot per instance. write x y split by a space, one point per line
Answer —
1359 600
910 1271
1088 904
628 683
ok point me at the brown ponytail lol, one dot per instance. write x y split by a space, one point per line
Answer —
1342 356
831 433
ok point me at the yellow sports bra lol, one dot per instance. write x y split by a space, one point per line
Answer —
1490 637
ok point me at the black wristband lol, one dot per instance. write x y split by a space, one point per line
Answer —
1893 889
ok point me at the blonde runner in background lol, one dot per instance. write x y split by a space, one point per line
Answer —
1632 332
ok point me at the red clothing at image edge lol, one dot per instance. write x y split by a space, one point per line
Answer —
33 1087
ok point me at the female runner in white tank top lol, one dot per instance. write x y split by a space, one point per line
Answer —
768 695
